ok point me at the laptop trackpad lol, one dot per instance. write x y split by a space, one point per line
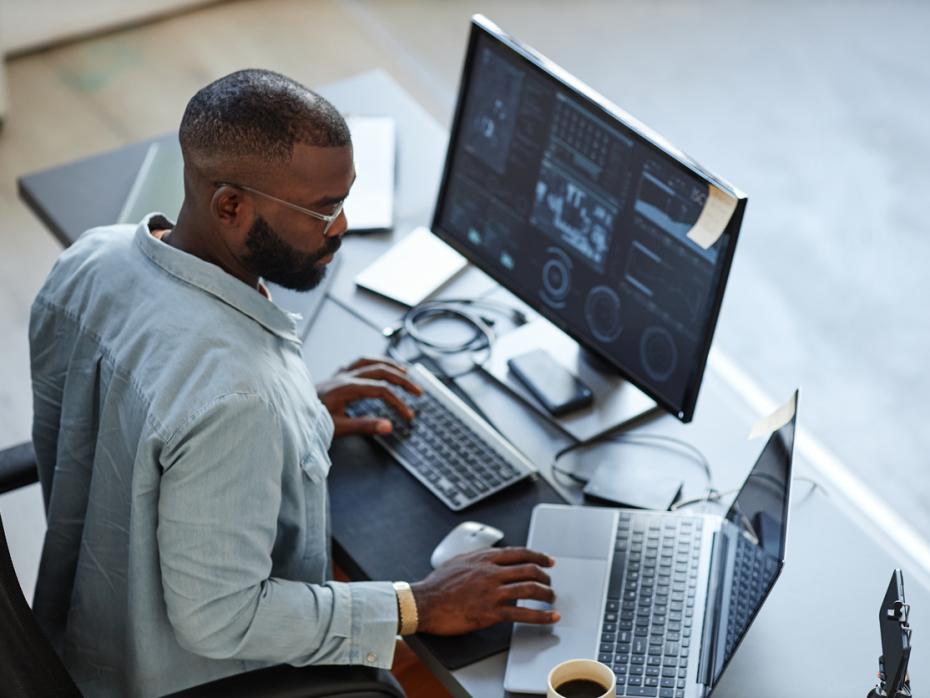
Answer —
573 531
579 586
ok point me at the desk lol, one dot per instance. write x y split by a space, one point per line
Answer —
818 629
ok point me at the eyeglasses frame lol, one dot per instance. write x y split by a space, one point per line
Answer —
328 219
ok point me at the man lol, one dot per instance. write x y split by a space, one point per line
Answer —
182 445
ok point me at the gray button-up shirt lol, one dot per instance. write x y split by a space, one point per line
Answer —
182 452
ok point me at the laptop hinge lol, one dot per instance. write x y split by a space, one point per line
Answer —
707 658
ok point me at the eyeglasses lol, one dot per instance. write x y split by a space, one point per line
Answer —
327 218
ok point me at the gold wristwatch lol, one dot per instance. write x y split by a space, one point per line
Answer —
406 608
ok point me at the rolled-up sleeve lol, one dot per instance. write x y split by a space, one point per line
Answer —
219 498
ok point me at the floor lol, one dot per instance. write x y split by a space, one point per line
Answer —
816 109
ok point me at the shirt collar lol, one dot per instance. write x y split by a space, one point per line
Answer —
213 280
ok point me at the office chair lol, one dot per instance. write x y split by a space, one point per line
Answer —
30 668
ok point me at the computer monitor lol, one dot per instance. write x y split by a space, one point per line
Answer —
584 214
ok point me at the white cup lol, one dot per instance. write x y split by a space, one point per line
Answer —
582 669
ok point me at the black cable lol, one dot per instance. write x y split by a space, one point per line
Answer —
716 496
712 493
462 309
695 453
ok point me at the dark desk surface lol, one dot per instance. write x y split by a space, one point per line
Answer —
818 629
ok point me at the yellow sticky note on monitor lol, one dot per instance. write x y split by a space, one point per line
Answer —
776 420
717 211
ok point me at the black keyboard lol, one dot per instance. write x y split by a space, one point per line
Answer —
646 632
753 573
458 456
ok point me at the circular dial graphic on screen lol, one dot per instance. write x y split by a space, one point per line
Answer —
602 311
658 353
556 278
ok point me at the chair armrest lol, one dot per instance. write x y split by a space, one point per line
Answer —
18 467
301 682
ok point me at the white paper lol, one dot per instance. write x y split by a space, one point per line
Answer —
412 269
776 420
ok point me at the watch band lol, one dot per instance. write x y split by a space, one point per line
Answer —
407 608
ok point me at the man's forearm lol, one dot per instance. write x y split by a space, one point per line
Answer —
294 623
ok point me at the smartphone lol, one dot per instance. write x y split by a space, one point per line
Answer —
559 390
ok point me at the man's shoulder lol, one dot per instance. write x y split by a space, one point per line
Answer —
101 242
104 246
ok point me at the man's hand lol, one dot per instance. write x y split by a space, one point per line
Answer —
366 378
476 590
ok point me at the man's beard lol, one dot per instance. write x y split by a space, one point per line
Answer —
274 260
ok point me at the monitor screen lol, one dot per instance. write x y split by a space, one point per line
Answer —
584 215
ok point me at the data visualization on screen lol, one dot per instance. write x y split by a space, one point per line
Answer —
583 217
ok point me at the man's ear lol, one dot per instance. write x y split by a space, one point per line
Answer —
229 207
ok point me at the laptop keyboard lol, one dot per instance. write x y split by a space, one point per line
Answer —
752 575
646 632
447 446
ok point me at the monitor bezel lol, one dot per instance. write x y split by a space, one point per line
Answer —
481 26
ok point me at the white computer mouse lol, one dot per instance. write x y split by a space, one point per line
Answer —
465 538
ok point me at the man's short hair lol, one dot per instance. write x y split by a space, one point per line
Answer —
258 114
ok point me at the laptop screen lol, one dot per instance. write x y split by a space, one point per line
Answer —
754 535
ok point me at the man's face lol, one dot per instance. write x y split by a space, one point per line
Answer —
273 259
285 246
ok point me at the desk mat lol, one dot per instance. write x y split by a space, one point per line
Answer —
385 525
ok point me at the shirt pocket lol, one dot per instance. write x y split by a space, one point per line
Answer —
314 467
315 463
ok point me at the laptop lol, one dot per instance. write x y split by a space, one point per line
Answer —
663 598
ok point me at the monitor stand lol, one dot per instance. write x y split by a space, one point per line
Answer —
616 401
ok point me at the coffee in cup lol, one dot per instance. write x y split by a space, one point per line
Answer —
582 678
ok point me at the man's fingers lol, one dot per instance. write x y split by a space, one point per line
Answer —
374 361
523 573
519 556
519 614
359 388
390 375
527 590
386 394
344 426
